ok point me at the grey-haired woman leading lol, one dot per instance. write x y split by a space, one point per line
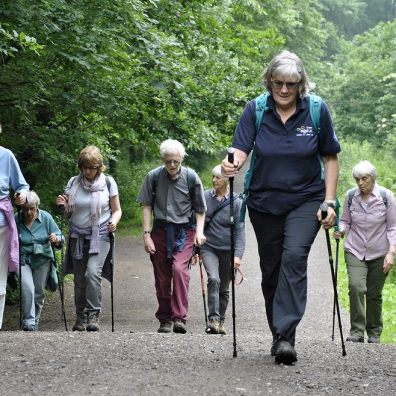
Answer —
286 190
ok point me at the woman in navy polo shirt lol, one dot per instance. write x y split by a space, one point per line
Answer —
286 190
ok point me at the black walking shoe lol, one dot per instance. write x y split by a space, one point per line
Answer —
179 327
374 340
285 353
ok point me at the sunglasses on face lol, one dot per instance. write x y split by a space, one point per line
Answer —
289 85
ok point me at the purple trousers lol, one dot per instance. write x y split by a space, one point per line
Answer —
172 277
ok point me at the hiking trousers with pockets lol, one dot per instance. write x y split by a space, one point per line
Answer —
284 242
366 280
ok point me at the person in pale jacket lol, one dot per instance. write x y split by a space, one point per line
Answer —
369 221
10 177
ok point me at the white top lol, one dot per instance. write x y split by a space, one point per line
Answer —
81 215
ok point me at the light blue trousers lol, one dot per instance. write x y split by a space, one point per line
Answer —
33 293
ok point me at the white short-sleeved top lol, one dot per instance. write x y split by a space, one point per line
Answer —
82 211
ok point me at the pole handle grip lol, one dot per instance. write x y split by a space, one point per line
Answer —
231 152
324 208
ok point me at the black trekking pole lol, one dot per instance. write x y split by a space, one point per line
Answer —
111 236
231 152
198 253
336 228
323 209
60 288
61 280
20 264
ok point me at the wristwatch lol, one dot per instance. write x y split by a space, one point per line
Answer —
331 203
146 232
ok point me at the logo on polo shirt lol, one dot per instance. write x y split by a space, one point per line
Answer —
305 131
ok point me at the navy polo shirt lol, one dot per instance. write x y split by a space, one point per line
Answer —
287 170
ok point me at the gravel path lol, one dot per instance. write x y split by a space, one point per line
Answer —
135 360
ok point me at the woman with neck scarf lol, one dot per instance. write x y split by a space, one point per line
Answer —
91 203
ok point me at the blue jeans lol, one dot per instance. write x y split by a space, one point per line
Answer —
33 292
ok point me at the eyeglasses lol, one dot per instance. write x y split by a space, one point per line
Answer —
289 85
171 162
93 168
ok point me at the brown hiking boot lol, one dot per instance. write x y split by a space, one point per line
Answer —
179 327
213 326
221 328
79 325
165 327
93 322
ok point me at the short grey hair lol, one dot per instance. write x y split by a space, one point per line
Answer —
216 171
288 64
32 199
364 168
171 147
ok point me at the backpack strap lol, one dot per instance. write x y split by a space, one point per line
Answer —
154 184
261 107
351 194
384 196
191 185
108 183
315 105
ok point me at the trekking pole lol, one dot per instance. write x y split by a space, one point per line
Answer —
61 290
111 236
324 208
198 253
61 280
20 264
336 228
231 152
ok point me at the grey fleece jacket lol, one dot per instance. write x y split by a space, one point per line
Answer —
217 229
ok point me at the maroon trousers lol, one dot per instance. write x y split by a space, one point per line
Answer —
172 277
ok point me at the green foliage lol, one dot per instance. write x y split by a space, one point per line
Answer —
129 73
351 17
363 88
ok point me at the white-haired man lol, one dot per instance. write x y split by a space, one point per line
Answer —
175 195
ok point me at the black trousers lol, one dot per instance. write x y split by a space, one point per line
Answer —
284 243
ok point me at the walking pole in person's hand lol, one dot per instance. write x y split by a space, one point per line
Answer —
323 209
61 280
336 228
60 288
231 152
111 236
20 264
198 253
